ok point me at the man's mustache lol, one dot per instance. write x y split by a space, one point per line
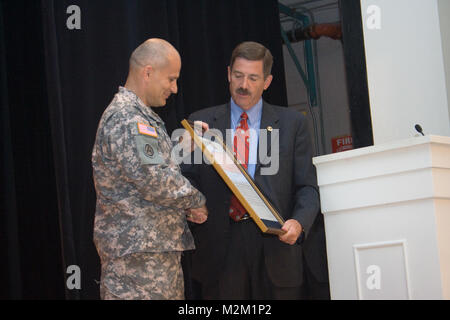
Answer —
243 91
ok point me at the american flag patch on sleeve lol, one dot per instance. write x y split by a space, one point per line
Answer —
147 130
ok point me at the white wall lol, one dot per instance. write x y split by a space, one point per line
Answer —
444 14
405 68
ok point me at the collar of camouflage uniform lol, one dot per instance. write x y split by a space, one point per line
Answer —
148 111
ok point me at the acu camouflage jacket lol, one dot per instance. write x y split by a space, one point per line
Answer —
141 193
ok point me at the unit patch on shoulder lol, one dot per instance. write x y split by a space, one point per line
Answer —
147 130
148 149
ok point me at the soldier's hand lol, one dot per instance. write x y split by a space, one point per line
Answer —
197 215
200 127
186 140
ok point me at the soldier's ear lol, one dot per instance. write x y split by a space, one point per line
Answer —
148 71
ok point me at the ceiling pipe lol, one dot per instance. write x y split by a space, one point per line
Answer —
315 31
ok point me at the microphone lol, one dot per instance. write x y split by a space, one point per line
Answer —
419 129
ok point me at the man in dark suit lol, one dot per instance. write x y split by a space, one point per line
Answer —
233 258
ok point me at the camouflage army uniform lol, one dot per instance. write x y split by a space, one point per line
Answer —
141 198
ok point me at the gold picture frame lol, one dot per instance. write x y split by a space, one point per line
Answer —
239 181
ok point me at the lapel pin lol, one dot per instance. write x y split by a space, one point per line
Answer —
269 128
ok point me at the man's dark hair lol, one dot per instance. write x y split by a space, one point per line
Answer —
253 51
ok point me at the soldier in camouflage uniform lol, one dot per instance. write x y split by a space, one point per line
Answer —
140 224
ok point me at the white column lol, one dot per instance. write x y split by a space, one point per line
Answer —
406 43
444 21
387 207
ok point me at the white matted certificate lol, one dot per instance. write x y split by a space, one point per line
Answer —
239 181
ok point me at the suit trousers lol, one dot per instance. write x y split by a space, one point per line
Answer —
244 275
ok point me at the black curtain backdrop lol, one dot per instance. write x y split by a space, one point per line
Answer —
29 230
356 72
55 84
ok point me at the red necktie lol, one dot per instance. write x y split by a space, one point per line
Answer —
241 150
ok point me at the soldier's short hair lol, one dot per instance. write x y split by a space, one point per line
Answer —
153 52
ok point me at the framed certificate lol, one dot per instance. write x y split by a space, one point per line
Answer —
239 181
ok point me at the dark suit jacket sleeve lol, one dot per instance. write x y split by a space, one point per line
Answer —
306 195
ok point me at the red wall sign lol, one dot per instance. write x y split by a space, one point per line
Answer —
342 143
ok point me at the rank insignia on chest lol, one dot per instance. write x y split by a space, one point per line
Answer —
147 130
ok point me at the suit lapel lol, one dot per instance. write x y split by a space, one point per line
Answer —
222 120
269 121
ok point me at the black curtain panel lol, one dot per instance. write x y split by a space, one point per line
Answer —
356 72
30 232
61 63
10 279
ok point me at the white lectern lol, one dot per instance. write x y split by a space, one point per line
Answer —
387 219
